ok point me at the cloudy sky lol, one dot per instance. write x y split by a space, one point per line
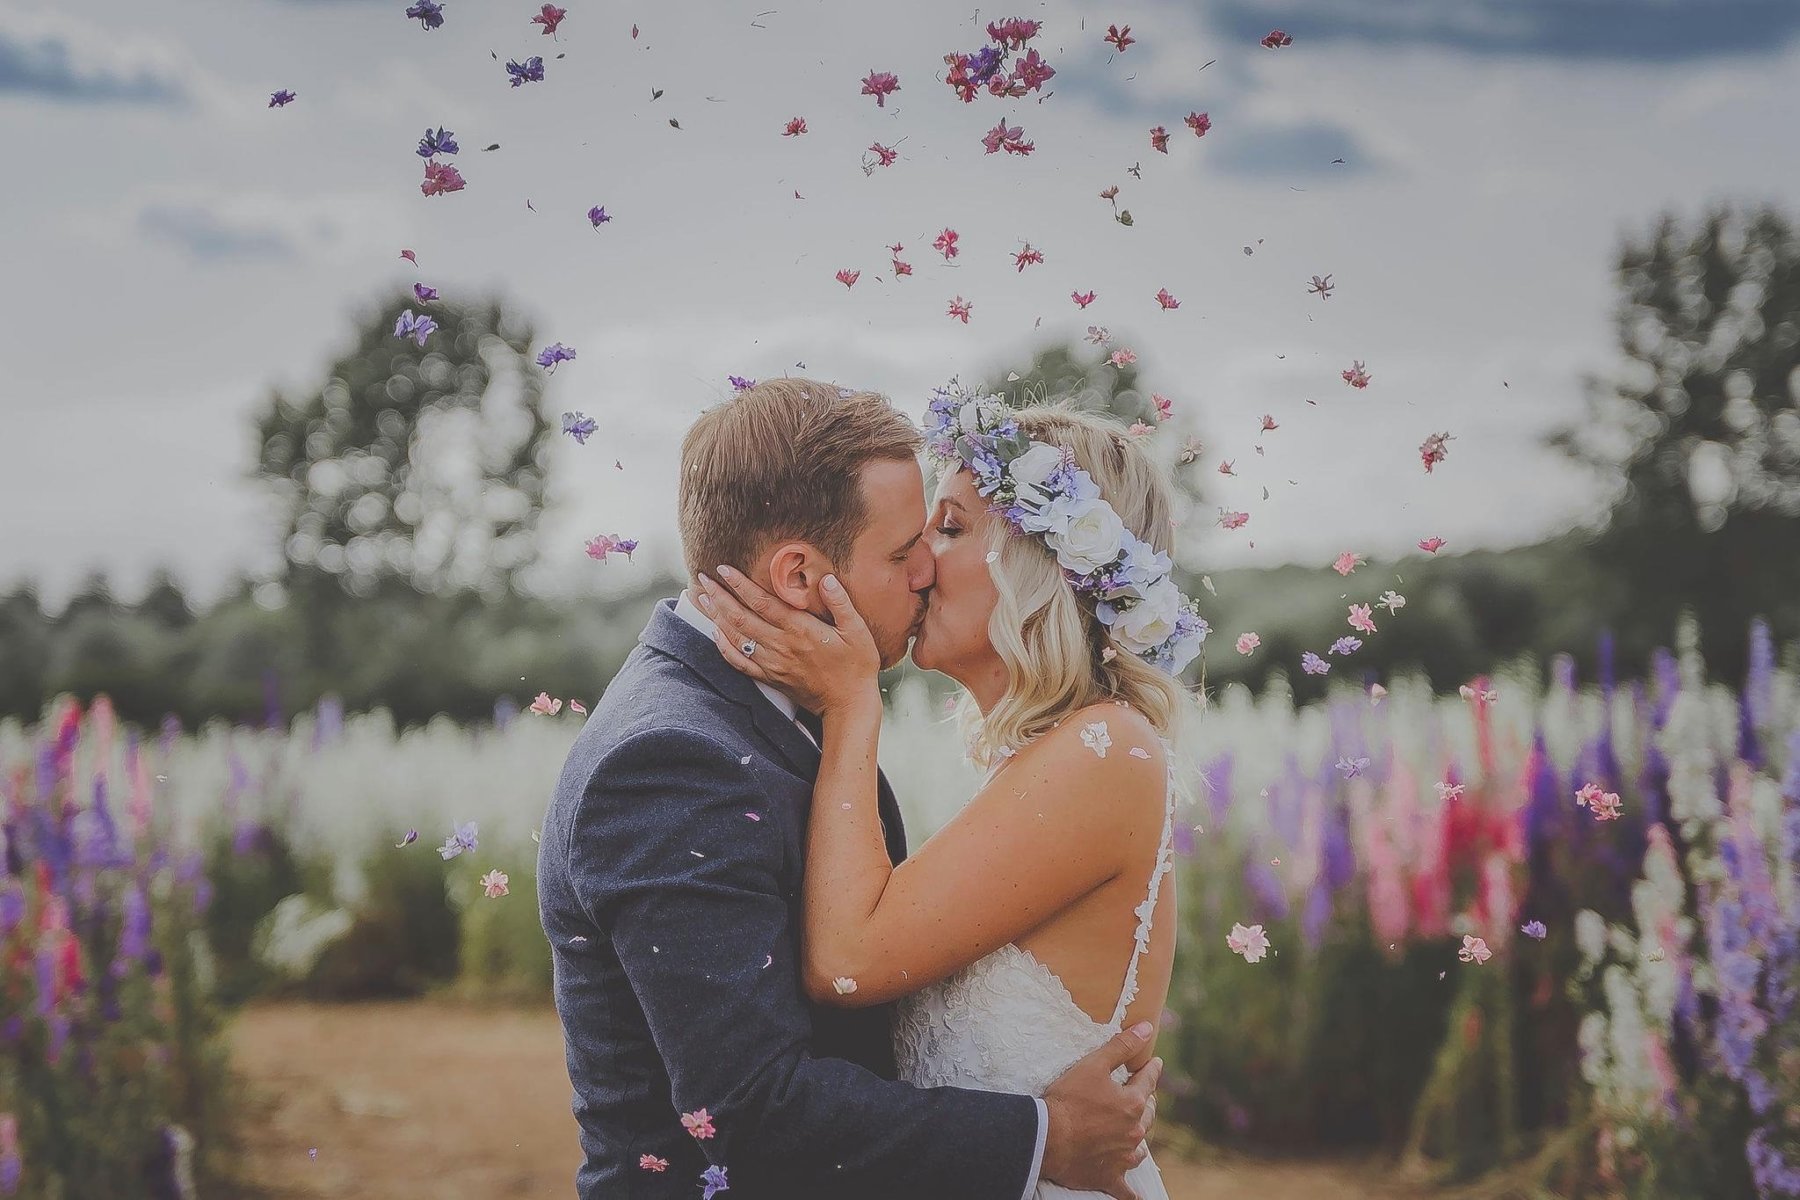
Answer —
172 249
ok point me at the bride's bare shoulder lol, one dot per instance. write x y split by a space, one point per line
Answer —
1108 748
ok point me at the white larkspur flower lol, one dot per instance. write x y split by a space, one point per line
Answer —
843 986
1096 738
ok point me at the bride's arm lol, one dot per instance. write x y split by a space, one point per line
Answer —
1057 823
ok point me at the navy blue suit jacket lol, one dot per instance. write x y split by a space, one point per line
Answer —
669 877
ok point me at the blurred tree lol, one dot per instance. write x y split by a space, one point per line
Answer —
422 466
1702 433
164 602
24 651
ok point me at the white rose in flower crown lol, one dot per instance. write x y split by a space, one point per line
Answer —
1090 539
1029 471
1149 622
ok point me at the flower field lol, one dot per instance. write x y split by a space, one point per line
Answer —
1548 923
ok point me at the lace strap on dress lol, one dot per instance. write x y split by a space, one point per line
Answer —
1164 861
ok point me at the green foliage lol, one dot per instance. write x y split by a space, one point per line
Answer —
505 954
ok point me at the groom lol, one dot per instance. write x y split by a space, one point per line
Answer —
669 873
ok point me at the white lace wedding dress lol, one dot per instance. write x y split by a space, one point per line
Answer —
1007 1024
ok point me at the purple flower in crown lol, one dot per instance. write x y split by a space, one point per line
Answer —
437 141
428 13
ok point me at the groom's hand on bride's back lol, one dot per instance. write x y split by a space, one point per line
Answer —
1097 1125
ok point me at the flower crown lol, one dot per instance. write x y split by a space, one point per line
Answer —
1039 490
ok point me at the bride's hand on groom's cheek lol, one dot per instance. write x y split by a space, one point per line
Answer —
823 667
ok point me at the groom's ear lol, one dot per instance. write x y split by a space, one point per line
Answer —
795 569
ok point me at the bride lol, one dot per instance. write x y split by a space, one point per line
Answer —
1038 921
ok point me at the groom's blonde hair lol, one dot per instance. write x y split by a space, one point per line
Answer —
783 460
1053 644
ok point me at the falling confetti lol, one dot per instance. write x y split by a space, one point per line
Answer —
1082 299
945 244
1249 941
1166 301
550 17
1027 257
1159 139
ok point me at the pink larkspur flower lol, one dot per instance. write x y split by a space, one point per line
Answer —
649 1162
1165 407
1347 562
1027 257
1166 300
493 885
1233 520
1199 122
441 178
881 85
848 277
1474 950
794 128
1226 467
550 17
1249 941
1122 357
1139 429
699 1123
884 155
1277 39
1082 299
1603 805
1248 642
1268 423
1434 451
1356 376
945 244
1159 139
1118 37
545 706
960 309
1360 619
1431 545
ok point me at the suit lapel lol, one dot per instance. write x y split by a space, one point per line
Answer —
673 636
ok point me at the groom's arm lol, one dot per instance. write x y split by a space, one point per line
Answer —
676 855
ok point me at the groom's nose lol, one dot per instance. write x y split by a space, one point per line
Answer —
921 568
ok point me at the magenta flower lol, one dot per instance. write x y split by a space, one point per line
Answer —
794 128
1276 39
1027 257
1356 376
1431 545
493 884
597 216
550 17
424 294
416 327
1032 72
884 155
554 353
1248 642
848 278
1119 37
1166 300
881 85
1159 140
529 71
281 99
1008 138
1082 299
649 1162
1012 33
428 13
441 178
960 309
946 244
1199 122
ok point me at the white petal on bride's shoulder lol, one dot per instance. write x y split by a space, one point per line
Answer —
1096 738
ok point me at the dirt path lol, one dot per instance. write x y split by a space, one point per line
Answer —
434 1100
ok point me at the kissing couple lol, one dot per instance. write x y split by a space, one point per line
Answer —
760 990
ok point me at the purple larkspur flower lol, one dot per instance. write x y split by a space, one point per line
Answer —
1312 664
529 71
11 1167
416 327
1271 902
554 353
425 294
134 933
597 216
45 962
625 546
739 383
1774 1174
714 1181
984 62
1534 929
281 99
437 141
1346 645
1350 768
579 426
428 13
1337 853
462 841
1316 914
12 906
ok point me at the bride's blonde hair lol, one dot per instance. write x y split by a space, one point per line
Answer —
1053 645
